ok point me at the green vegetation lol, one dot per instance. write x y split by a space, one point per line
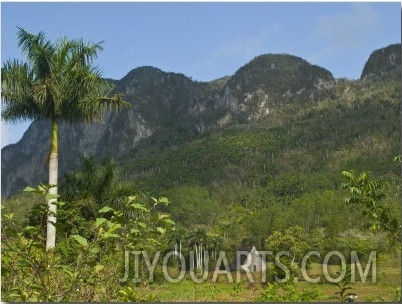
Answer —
59 82
79 268
384 64
296 180
365 192
248 180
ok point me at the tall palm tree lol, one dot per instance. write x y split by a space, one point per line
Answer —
58 82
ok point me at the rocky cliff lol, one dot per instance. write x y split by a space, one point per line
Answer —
384 64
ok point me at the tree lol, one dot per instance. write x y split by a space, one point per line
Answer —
93 185
366 192
214 244
293 240
96 184
192 205
198 238
58 82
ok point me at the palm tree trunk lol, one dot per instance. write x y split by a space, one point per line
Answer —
53 176
196 255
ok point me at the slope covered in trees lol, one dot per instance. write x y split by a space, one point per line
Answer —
296 150
278 160
247 160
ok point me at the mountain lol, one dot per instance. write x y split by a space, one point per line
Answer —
384 64
171 110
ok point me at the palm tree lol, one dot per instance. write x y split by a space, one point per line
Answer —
96 184
198 238
58 82
215 243
175 238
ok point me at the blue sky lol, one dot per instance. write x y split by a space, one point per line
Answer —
207 40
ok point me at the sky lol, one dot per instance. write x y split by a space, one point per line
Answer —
206 40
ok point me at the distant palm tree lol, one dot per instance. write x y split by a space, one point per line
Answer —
58 82
198 238
214 244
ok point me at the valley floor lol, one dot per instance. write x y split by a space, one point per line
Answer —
385 289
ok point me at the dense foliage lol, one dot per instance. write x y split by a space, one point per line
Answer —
310 176
280 171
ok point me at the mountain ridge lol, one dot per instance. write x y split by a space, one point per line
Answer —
170 107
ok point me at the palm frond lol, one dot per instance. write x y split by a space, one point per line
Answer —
39 51
16 86
85 53
59 81
63 54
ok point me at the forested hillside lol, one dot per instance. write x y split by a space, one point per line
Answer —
242 160
274 153
277 163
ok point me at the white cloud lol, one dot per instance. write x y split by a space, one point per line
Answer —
345 39
346 30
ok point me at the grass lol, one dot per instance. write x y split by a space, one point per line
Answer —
388 280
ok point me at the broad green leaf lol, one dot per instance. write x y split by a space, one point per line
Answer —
100 221
30 189
161 230
162 216
139 207
105 209
169 221
110 235
164 200
135 230
30 228
113 226
81 240
58 203
142 224
50 196
94 250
